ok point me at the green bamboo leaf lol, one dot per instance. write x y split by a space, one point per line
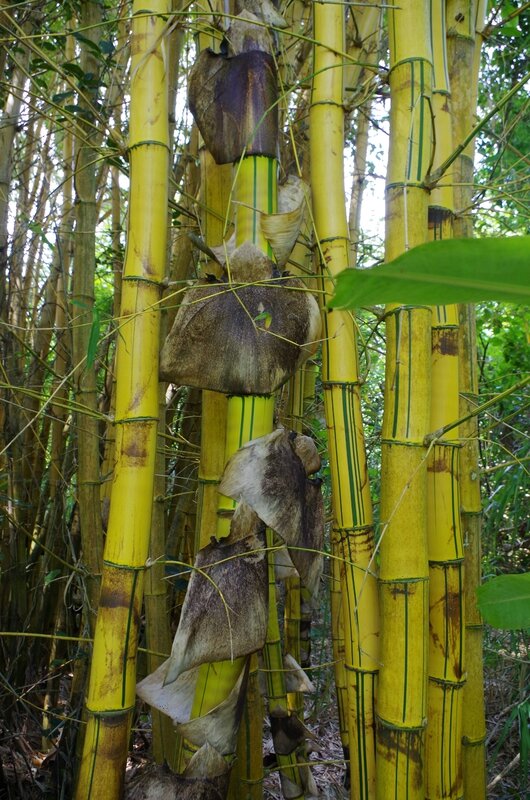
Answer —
72 69
93 339
107 46
60 96
504 602
264 317
88 42
51 576
442 272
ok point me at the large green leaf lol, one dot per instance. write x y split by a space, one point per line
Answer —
441 272
504 602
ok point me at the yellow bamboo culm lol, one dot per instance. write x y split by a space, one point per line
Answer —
246 417
246 777
352 536
256 190
401 705
465 20
111 693
446 554
215 195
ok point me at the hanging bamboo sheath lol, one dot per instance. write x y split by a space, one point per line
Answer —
246 418
111 693
255 191
464 21
446 554
352 513
404 573
246 778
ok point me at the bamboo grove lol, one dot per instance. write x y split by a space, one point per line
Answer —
174 520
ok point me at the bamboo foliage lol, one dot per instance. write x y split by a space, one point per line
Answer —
404 570
352 526
111 693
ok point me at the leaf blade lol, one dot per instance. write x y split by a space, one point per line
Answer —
504 601
442 272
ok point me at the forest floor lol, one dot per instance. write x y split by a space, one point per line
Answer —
27 773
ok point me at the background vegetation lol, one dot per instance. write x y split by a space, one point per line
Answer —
64 100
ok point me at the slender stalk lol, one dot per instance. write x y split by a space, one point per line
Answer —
352 535
83 302
463 45
359 177
111 693
57 438
165 743
404 568
14 544
298 603
446 552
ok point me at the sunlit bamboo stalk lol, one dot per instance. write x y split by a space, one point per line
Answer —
466 20
165 742
111 693
352 512
443 758
404 573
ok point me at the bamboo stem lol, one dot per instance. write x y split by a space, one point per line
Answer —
464 44
111 693
352 536
404 568
446 552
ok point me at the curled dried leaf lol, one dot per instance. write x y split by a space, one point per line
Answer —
268 474
244 35
218 727
157 782
282 229
296 679
263 10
